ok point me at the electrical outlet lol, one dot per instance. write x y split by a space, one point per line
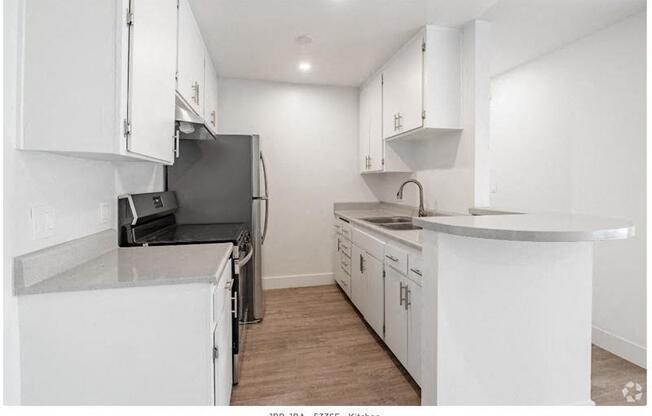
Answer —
43 221
104 213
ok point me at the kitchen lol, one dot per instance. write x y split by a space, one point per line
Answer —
443 108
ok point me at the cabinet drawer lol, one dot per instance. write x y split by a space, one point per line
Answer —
396 258
345 263
344 280
345 228
369 243
415 267
345 246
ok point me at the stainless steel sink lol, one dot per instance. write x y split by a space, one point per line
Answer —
401 226
389 220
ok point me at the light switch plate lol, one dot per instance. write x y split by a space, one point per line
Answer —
43 221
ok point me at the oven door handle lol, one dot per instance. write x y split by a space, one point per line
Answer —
243 262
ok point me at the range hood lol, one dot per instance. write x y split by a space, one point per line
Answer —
190 125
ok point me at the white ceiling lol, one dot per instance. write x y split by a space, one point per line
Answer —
256 39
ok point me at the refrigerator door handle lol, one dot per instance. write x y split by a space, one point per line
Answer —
265 198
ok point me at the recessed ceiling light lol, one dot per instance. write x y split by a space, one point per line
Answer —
303 40
305 66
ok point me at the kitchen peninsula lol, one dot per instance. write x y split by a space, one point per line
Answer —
507 307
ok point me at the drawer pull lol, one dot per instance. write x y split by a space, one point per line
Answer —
416 271
392 258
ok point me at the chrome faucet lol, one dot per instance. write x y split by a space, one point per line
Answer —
399 195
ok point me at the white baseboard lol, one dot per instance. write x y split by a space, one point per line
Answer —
297 280
619 346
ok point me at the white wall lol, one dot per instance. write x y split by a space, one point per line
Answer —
73 187
309 136
451 168
568 133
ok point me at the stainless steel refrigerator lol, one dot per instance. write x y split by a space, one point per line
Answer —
222 181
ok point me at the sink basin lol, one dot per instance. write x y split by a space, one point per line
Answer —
401 226
389 220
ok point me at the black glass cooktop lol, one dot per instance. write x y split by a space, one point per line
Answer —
196 234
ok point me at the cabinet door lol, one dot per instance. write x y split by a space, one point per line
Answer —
358 286
210 94
414 331
403 90
190 59
371 137
375 302
223 355
365 104
395 315
152 65
376 141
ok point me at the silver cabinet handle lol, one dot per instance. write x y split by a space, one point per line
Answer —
195 92
400 293
416 271
398 118
235 306
361 264
407 297
395 121
176 144
392 258
338 244
213 118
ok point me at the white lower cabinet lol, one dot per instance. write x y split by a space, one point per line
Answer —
375 305
383 280
358 289
403 320
149 345
396 315
342 261
414 330
222 341
367 288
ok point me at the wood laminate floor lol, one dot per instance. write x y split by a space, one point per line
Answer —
313 348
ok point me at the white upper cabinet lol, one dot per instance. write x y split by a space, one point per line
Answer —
403 89
210 94
421 88
190 61
100 85
374 155
151 79
371 136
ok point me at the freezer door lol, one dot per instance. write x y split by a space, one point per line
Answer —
255 301
215 180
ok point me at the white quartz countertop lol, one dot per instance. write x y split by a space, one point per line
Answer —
135 266
531 227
